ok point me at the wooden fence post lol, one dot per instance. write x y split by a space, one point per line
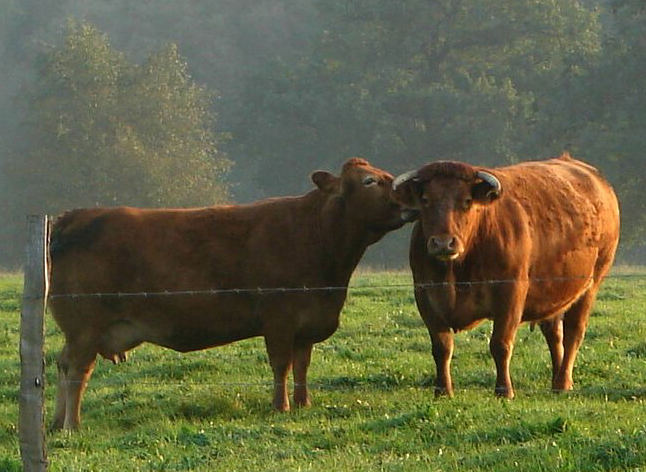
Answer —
32 334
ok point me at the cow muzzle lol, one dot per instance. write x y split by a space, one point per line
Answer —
444 247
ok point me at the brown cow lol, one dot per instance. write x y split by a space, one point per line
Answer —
302 243
527 242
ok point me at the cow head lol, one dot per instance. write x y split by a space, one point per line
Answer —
449 196
366 195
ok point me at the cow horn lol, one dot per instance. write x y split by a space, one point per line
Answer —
491 180
405 177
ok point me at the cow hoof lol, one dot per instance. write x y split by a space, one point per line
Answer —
561 385
282 408
443 392
302 403
503 392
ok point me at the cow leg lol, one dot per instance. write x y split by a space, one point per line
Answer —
505 326
502 340
575 322
77 380
280 352
441 345
75 367
442 348
61 391
501 347
553 332
302 356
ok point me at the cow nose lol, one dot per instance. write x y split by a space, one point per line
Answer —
443 243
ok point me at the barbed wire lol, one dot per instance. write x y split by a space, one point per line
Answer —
305 289
352 383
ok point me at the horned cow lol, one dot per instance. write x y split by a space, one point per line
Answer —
530 242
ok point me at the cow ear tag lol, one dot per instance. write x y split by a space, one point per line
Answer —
326 181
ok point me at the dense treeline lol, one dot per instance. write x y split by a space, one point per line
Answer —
149 103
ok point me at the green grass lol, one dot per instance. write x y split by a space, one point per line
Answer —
372 406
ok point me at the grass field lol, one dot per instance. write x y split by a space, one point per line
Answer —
372 408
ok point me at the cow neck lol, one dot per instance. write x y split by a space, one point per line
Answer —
445 294
343 243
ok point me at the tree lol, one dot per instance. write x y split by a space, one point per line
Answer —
403 83
407 82
614 134
305 84
106 132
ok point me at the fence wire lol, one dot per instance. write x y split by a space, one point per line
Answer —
635 393
305 289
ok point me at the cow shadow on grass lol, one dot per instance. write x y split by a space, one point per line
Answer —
388 381
481 384
126 409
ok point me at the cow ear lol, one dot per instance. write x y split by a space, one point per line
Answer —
485 192
326 181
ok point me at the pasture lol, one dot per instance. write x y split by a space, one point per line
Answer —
373 407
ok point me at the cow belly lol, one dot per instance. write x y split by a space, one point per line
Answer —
201 327
192 322
123 335
186 339
181 323
554 292
548 303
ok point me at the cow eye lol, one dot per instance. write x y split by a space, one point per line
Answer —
467 203
369 180
424 199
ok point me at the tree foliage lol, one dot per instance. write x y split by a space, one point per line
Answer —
404 82
614 137
105 131
305 84
113 133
